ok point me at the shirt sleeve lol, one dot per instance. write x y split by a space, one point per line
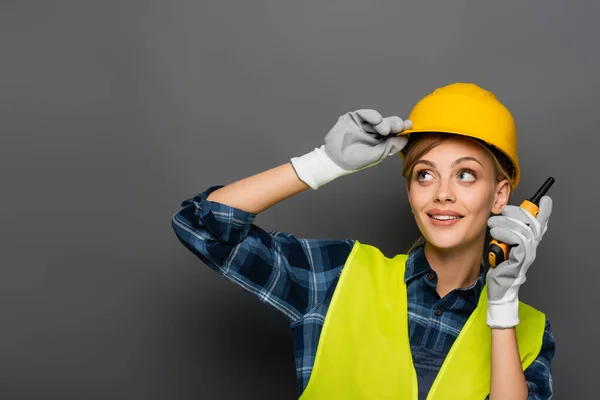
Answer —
539 373
289 273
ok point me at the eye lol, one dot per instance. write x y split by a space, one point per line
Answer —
421 175
467 174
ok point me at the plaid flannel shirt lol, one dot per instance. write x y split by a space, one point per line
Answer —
298 277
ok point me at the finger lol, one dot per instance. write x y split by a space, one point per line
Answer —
524 216
396 124
401 126
507 236
506 222
496 221
545 210
396 144
518 213
500 221
384 127
369 116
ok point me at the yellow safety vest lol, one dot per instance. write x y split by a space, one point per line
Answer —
364 349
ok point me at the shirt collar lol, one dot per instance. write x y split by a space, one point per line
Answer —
417 265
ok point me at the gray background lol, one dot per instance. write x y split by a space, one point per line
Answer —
114 112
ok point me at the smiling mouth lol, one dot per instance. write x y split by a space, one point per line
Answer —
445 217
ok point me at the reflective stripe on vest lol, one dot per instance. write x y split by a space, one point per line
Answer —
364 349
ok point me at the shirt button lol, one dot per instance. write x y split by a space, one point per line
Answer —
438 312
431 276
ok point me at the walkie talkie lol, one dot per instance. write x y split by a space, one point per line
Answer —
497 251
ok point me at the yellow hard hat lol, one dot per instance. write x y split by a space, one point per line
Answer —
467 109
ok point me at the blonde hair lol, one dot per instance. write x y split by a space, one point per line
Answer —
420 144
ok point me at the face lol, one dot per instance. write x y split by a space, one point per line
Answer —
452 192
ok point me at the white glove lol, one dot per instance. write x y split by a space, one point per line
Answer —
520 229
358 140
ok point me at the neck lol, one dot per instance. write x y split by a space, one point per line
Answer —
455 267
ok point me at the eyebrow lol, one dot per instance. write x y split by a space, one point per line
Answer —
456 162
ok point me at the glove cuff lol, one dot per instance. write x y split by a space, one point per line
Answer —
503 315
316 168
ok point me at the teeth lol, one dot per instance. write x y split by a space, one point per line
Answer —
444 217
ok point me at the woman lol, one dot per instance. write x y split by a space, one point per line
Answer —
429 324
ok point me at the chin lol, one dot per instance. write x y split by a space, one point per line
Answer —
447 238
444 241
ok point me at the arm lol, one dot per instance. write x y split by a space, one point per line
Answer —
358 140
521 230
287 272
507 378
261 191
506 368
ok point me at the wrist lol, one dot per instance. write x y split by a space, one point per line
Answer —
503 315
316 168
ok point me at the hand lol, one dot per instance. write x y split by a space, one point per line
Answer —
520 229
359 139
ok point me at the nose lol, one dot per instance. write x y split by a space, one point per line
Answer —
444 192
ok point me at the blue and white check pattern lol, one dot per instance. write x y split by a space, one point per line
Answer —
298 277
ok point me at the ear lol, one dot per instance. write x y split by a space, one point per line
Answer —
501 195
